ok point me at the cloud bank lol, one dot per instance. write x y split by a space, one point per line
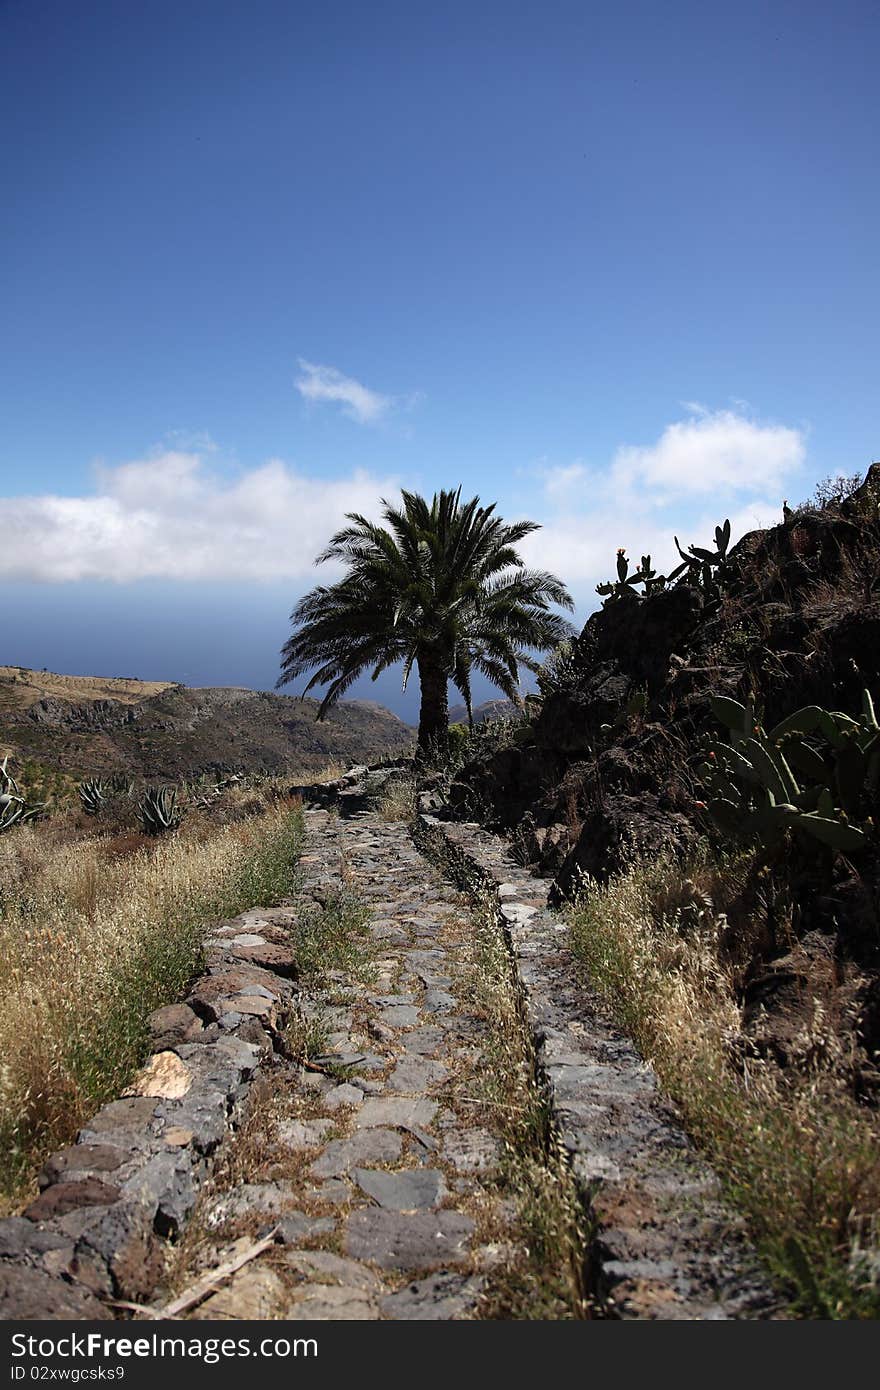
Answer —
174 516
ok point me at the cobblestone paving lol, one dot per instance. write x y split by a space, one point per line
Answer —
372 1161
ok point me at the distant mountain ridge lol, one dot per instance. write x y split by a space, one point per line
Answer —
489 709
160 730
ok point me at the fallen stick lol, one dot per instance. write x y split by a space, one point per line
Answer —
202 1287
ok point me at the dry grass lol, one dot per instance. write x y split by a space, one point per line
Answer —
334 940
398 802
330 772
543 1276
94 935
798 1156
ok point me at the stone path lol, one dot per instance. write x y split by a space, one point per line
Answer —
375 1167
358 1122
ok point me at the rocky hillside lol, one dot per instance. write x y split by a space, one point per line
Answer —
84 725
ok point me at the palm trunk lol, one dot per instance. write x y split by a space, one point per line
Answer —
434 711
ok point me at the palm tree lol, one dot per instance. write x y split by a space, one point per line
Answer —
442 589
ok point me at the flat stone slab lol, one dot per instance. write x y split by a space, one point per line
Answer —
400 1112
332 1192
296 1226
63 1197
440 1297
30 1295
438 1001
303 1134
326 1264
409 1189
121 1123
425 1041
72 1163
400 1016
471 1150
255 1005
173 1024
164 1076
394 1240
369 1146
343 1095
253 1294
265 953
394 936
413 1075
332 1303
20 1238
264 1198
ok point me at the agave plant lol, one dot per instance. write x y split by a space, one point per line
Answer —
14 808
159 811
92 795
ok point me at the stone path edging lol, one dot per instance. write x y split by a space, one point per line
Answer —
668 1247
97 1230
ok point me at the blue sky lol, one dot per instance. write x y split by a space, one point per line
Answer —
612 266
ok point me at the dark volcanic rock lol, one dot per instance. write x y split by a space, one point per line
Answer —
30 1295
394 1240
175 1023
63 1197
623 823
439 1297
79 1159
641 637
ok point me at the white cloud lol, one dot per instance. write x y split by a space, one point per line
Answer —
317 383
711 453
173 516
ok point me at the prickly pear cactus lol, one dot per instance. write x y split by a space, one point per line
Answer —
762 785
